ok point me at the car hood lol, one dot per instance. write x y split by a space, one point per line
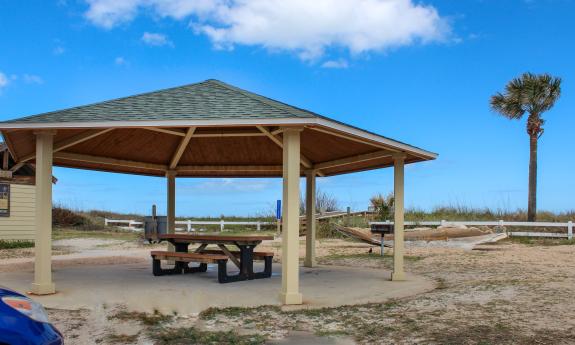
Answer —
4 291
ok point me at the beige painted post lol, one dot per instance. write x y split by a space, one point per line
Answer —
43 284
310 222
171 205
290 225
398 243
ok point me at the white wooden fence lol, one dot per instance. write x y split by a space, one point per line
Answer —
137 226
502 223
130 224
222 223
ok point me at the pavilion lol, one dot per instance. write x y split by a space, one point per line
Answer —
207 129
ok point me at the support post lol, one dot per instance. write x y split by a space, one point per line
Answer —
310 219
398 242
570 230
43 284
171 205
290 235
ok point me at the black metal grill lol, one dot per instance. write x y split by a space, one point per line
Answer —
382 228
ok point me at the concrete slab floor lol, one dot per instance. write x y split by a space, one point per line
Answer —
134 285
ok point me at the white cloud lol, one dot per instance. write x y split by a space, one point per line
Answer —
59 50
341 63
109 13
14 78
32 79
226 186
121 61
3 80
305 27
157 40
233 185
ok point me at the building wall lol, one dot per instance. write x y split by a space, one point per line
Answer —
20 224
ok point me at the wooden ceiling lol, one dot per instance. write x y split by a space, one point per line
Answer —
241 151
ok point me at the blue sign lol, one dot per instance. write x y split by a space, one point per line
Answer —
279 210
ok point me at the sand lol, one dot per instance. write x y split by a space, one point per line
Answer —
502 293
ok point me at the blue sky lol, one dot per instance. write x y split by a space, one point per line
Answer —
419 72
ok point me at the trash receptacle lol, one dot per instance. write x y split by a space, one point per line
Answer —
154 226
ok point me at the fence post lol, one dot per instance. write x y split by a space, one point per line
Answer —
570 230
348 217
500 226
105 221
189 225
221 225
259 226
442 223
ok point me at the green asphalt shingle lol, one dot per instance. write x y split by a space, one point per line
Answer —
210 99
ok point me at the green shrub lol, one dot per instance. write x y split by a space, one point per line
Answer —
66 218
383 206
15 244
325 229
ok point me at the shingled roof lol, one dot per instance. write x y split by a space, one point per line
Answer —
210 99
210 129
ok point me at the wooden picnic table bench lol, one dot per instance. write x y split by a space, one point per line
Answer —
242 259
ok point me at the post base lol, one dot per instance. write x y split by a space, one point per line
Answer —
310 264
291 298
43 289
397 276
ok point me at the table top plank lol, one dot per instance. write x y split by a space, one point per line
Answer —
215 238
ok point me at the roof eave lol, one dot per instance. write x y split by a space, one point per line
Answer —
313 122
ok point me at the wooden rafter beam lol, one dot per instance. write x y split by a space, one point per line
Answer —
69 142
181 148
9 146
230 168
17 166
272 137
353 160
208 134
224 135
109 161
5 159
345 136
304 161
166 131
160 167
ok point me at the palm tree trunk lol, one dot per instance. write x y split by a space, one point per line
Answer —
532 203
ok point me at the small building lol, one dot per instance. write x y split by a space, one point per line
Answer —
17 198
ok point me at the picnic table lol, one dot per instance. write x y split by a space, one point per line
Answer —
242 259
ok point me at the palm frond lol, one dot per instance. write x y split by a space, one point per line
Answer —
506 106
529 93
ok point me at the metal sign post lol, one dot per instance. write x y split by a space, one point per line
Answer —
279 215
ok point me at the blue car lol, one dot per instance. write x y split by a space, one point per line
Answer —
25 322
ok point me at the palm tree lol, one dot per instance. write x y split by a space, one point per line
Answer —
534 95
